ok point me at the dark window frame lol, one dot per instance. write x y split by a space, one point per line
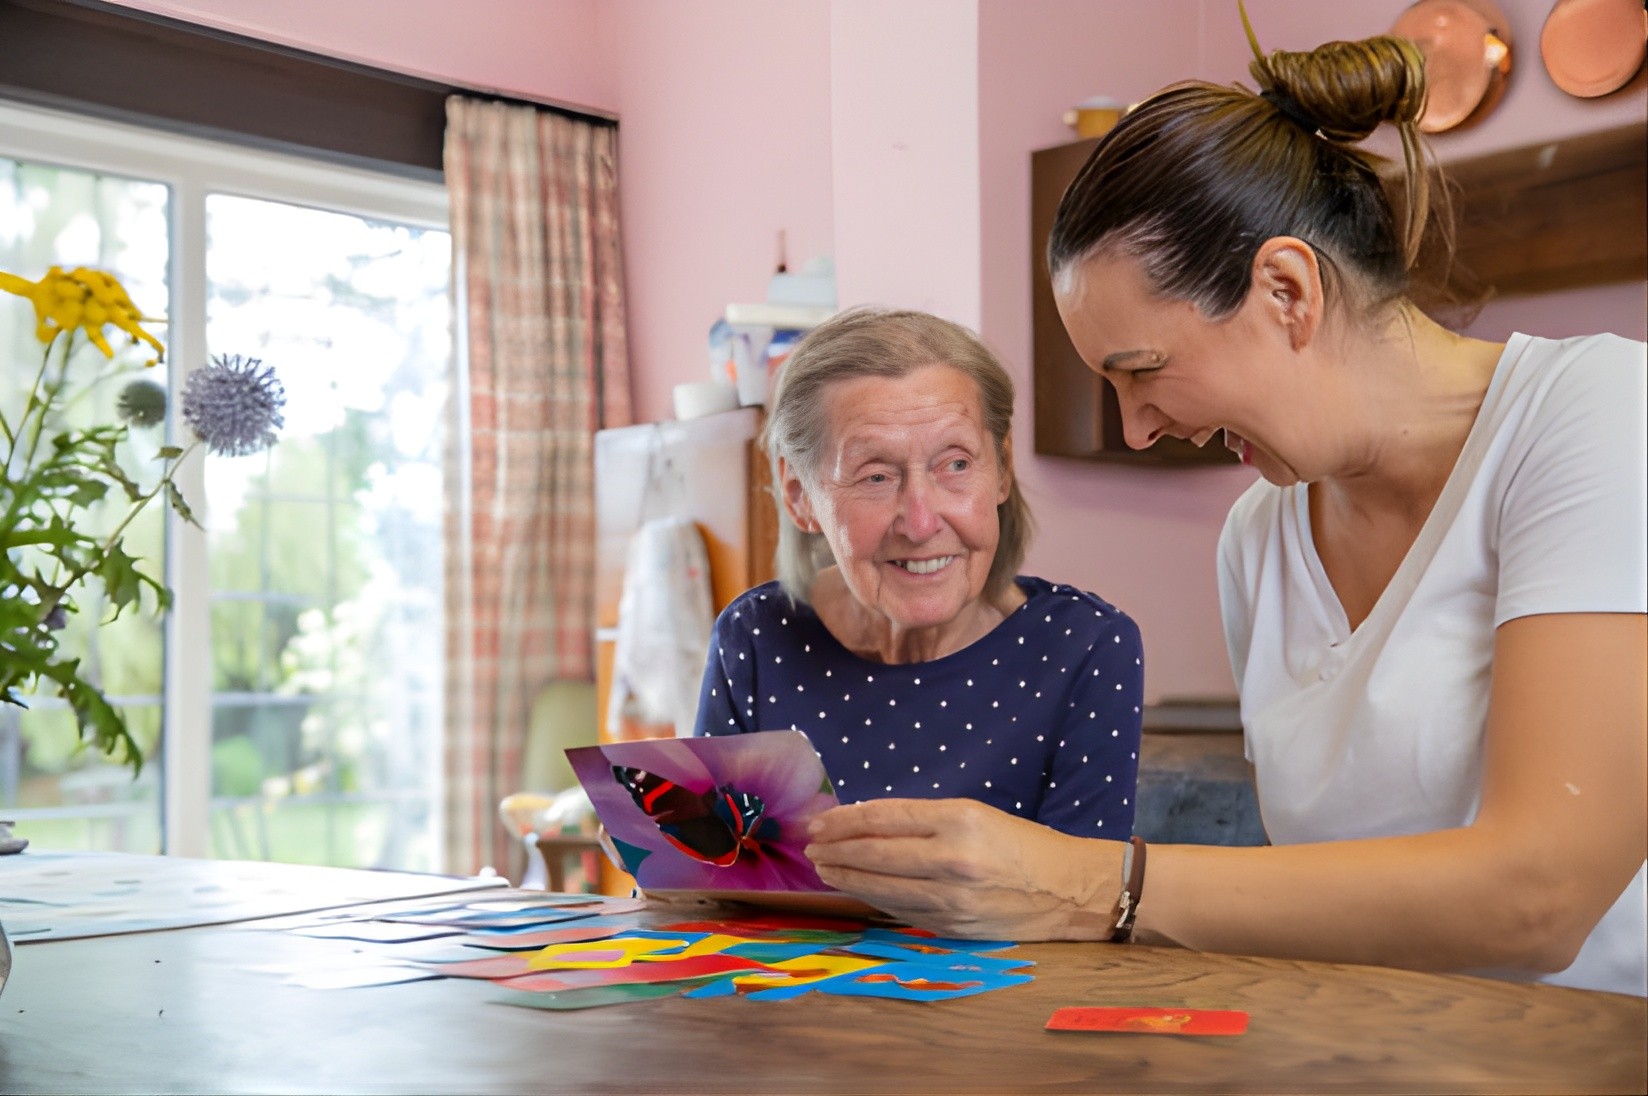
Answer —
129 66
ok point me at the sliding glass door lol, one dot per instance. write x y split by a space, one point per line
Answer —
291 703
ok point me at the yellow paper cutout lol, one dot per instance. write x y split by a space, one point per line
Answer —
617 951
807 968
713 944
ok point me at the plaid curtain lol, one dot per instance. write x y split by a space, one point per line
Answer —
534 209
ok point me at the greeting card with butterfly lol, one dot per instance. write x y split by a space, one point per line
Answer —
716 818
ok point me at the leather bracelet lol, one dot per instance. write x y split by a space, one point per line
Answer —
1132 890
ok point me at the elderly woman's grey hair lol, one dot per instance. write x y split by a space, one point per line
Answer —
881 342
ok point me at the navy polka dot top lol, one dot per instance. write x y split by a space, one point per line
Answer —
1040 717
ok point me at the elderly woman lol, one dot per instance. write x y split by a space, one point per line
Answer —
1434 597
899 636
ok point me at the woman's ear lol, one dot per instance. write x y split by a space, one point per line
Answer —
1286 288
796 502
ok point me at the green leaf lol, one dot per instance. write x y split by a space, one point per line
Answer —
121 579
57 536
112 469
87 491
180 504
95 716
170 452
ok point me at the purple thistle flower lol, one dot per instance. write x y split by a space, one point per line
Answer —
233 405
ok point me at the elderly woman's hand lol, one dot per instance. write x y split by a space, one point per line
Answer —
963 869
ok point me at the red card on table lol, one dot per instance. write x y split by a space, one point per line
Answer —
1151 1021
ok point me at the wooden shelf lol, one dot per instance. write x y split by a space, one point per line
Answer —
1560 215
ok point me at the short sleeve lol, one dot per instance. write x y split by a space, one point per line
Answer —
1093 776
1573 528
1235 609
729 672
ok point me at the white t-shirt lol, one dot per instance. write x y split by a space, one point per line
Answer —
1379 732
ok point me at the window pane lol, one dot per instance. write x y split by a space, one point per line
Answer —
326 550
61 796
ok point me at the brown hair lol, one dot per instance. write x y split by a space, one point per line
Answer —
882 342
1193 180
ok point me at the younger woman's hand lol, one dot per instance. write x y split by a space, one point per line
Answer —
963 869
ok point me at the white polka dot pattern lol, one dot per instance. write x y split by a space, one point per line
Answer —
1045 723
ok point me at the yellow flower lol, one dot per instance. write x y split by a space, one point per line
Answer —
83 299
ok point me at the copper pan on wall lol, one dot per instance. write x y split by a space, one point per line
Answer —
1593 47
1467 48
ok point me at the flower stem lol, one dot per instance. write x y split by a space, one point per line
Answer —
33 404
30 405
47 604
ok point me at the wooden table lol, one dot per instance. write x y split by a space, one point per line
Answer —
183 1011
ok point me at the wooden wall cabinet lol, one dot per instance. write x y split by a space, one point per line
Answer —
1559 215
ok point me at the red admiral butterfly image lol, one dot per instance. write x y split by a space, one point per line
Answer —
713 827
725 814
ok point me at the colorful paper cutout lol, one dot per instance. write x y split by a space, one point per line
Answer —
906 981
1151 1021
532 941
710 814
597 996
494 967
592 960
919 940
771 951
791 977
919 982
699 967
767 923
499 919
619 951
956 962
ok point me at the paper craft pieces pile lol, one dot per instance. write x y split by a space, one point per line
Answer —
572 951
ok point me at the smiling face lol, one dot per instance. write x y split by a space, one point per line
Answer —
905 492
1177 373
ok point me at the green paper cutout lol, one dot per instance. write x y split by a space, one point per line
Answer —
597 996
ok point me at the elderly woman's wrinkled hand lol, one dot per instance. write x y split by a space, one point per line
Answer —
964 869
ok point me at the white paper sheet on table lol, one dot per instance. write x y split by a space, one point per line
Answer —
64 895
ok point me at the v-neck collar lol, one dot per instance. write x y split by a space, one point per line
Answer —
1437 522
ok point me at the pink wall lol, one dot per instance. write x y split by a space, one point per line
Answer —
725 139
905 126
1621 309
544 50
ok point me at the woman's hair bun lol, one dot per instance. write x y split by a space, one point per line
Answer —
1349 88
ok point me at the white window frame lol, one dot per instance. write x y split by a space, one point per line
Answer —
193 168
